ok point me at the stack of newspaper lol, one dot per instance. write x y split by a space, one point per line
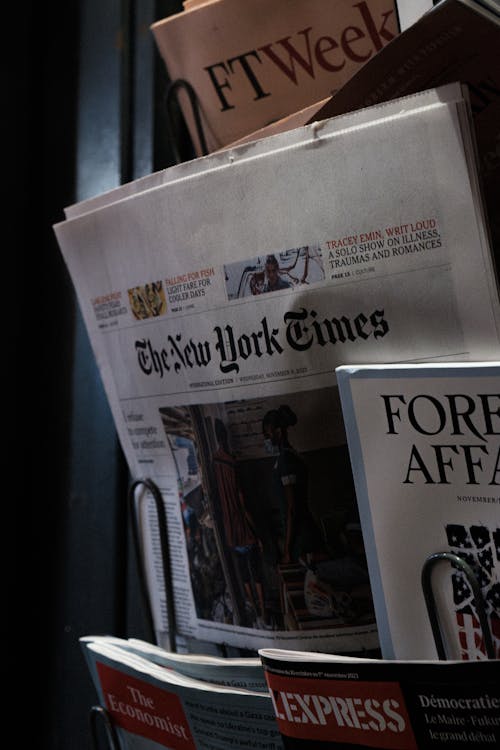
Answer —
290 699
221 294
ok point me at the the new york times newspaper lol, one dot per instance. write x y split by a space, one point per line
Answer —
219 303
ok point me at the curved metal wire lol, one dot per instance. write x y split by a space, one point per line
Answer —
165 553
430 601
171 98
98 712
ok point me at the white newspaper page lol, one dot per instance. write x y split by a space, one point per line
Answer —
218 306
244 672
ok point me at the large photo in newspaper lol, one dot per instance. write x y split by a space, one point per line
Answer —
218 305
270 519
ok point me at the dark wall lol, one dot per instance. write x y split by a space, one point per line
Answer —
82 113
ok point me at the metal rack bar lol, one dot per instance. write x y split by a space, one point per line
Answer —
149 485
430 601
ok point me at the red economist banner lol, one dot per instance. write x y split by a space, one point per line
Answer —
143 709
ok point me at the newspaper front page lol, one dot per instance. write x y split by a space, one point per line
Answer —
219 304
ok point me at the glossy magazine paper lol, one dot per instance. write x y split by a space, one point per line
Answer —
424 442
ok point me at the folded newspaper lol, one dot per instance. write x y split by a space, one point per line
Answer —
220 295
324 701
151 706
249 64
243 672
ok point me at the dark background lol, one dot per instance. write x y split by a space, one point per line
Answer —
82 111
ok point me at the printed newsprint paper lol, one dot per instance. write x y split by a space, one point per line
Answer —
240 672
152 707
327 701
219 304
424 442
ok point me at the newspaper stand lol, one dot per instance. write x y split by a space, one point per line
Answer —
175 122
426 578
99 712
109 728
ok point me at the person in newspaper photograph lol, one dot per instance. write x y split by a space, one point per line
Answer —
238 526
275 271
278 543
331 582
274 281
299 536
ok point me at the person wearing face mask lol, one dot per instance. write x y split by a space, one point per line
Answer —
300 536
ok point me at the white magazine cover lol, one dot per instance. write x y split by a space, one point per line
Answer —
219 304
424 442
